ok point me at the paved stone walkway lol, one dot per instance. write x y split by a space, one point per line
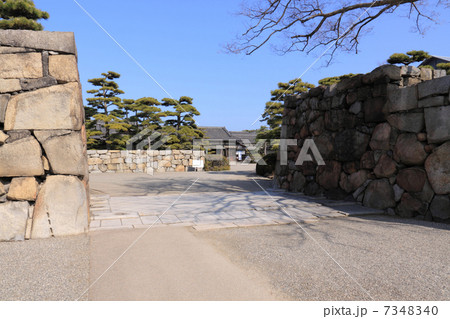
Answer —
213 209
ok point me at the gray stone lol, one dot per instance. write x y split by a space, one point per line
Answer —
379 194
45 71
426 74
44 40
437 121
427 193
439 73
9 85
353 181
4 99
55 107
437 166
21 158
409 150
386 167
355 108
381 137
434 87
350 145
32 84
408 122
412 179
330 91
410 206
64 150
409 70
375 110
328 175
398 192
298 182
21 65
17 135
13 220
440 208
9 50
402 99
383 74
61 208
64 68
438 100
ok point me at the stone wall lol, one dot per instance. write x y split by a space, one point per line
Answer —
43 164
141 161
385 139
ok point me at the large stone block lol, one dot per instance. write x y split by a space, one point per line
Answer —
379 194
23 188
56 107
381 137
375 110
61 208
21 158
21 65
437 166
409 150
382 74
402 99
386 166
44 40
13 220
434 87
9 85
328 175
412 179
63 68
4 99
350 145
437 121
64 150
32 84
440 208
408 122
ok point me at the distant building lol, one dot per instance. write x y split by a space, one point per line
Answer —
435 60
232 144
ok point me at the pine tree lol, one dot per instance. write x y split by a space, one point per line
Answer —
21 14
273 113
181 126
114 133
408 58
335 79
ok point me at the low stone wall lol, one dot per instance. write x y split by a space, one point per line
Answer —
385 142
142 161
43 163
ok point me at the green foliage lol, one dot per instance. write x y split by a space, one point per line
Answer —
335 79
180 125
217 164
273 112
106 97
426 67
444 66
20 14
408 58
266 166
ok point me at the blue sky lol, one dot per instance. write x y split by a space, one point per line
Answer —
180 44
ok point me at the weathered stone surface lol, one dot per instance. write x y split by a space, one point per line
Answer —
4 99
17 135
409 122
61 208
336 120
402 99
56 107
354 181
324 143
3 138
64 150
434 87
439 73
426 74
21 158
179 168
328 175
382 74
427 193
398 192
409 150
350 144
298 182
63 68
9 85
355 108
375 110
437 166
9 50
410 206
380 137
432 101
2 189
409 70
21 65
351 167
45 40
437 121
32 84
23 188
386 166
367 160
13 220
440 208
379 194
412 179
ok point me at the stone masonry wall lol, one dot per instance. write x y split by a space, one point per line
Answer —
141 161
385 139
43 162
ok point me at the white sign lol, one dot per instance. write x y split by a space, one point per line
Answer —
197 163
